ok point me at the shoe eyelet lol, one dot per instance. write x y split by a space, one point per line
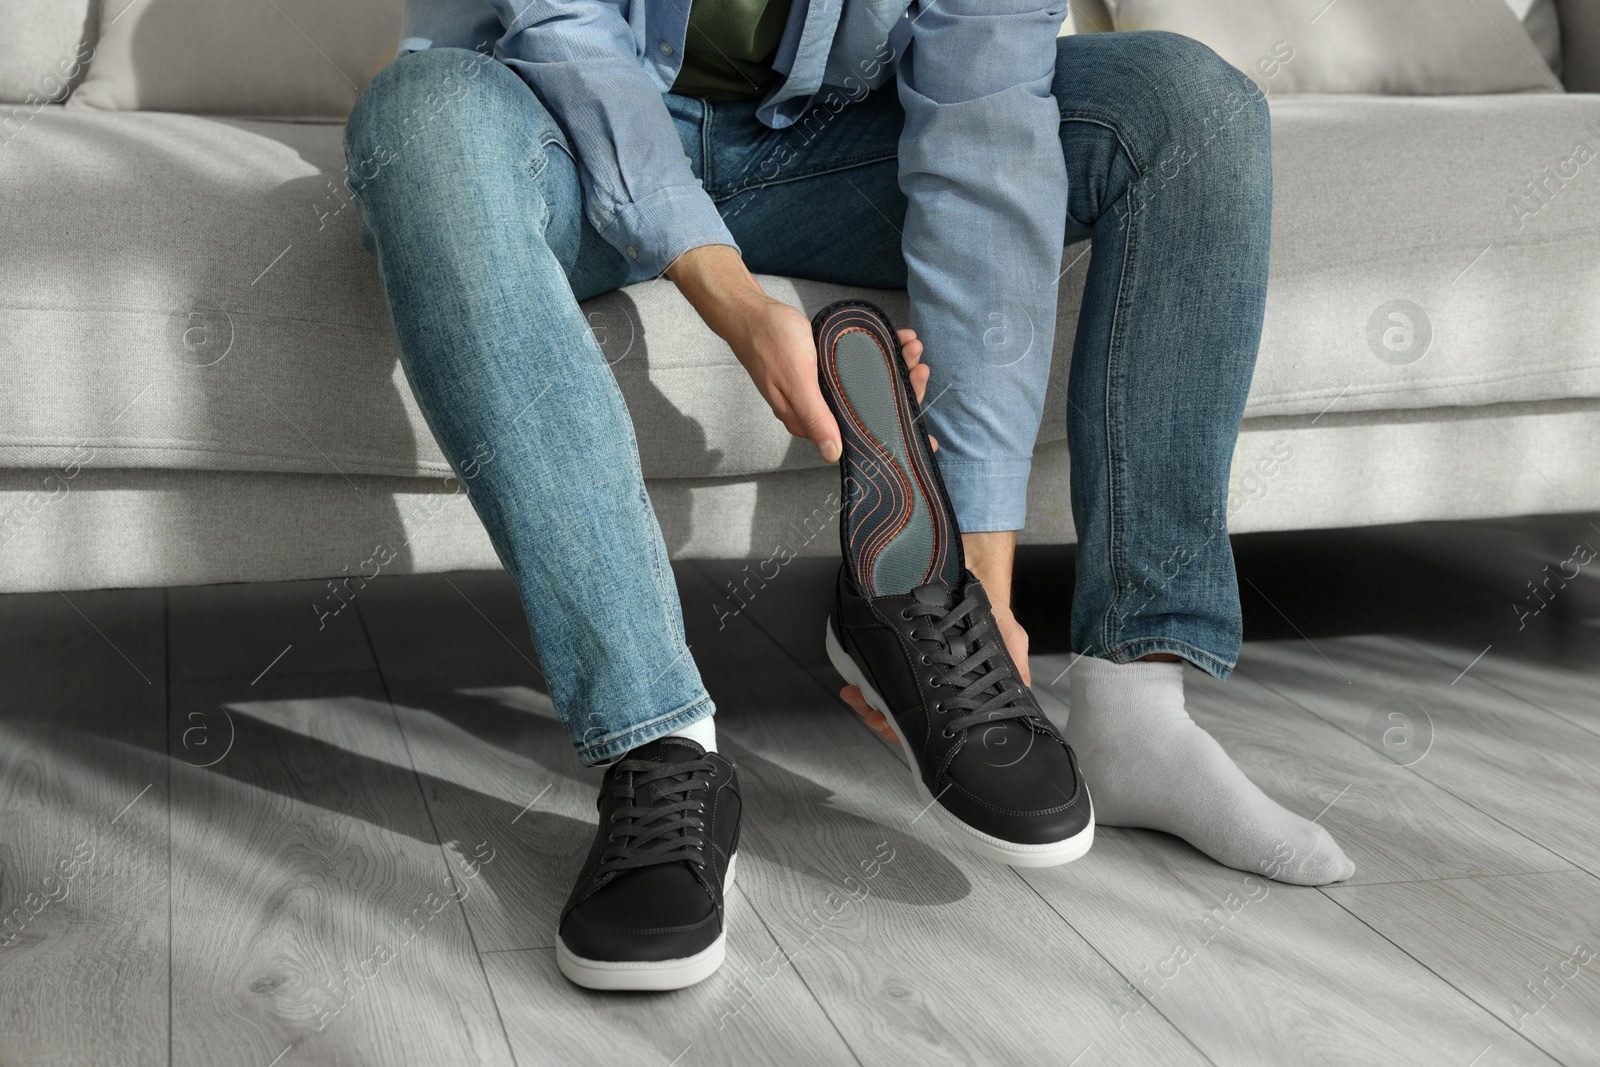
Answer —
946 734
934 683
905 613
939 707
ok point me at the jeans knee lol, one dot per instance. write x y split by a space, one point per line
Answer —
1208 91
1200 108
434 88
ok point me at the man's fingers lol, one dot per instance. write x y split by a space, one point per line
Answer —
816 422
933 442
919 380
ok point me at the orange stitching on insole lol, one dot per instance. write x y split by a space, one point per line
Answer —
878 538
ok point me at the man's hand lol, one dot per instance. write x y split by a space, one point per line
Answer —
773 341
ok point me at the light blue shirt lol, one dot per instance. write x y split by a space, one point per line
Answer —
980 163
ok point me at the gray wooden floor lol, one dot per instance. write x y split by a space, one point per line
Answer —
230 837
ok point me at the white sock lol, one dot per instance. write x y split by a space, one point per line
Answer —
702 731
1149 765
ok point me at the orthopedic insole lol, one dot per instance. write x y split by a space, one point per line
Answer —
898 530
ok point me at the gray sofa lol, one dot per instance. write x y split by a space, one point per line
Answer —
198 379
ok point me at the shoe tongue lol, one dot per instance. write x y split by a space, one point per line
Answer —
668 750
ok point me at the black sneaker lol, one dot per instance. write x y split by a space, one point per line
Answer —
648 907
913 628
983 756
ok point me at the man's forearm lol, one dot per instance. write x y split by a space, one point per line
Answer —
989 556
715 281
771 339
983 232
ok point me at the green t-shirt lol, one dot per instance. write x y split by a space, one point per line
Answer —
729 48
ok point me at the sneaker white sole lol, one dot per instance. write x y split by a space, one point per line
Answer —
648 975
1011 853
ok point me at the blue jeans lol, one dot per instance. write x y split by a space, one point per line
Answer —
469 197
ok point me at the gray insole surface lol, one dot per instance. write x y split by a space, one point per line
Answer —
903 563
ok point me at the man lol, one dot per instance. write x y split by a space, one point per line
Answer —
952 149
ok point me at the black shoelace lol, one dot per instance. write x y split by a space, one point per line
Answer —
668 826
971 660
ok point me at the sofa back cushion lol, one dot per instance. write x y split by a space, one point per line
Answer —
287 59
1442 47
44 48
1539 18
1580 45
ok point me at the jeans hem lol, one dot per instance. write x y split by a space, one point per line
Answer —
616 744
1213 665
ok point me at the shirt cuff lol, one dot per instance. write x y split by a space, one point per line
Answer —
653 232
987 495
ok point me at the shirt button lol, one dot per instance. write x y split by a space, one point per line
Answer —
633 252
666 48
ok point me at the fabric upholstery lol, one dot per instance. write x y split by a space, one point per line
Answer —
289 59
198 381
1358 46
46 47
1539 17
203 301
110 528
1089 16
1580 45
1543 24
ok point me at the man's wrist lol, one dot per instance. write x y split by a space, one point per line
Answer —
715 281
989 556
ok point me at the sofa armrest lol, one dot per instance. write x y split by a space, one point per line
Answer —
1580 45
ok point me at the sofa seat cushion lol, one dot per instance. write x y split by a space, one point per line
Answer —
189 292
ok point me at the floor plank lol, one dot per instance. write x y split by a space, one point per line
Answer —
1255 972
311 787
496 764
84 701
246 629
1524 947
1512 761
917 951
753 1010
322 922
83 935
83 829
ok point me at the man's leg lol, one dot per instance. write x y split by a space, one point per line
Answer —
821 199
1168 152
1169 166
469 199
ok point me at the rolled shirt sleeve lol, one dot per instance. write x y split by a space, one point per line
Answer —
981 165
640 193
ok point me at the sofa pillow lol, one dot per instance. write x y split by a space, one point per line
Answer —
1538 17
47 45
288 59
1580 46
1358 46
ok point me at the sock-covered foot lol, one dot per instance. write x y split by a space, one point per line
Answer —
1150 766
